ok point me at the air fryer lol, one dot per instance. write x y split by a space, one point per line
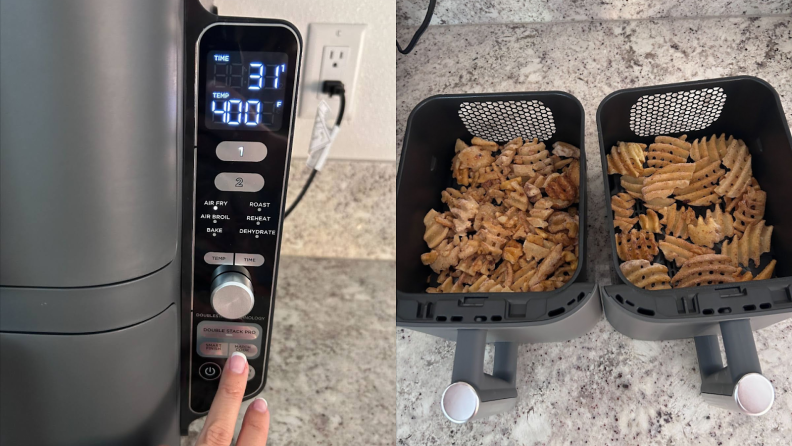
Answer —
144 148
475 319
750 109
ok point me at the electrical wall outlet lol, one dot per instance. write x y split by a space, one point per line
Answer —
334 65
332 53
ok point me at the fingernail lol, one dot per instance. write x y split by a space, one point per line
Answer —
237 362
259 405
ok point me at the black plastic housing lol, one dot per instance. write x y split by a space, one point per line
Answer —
424 171
750 109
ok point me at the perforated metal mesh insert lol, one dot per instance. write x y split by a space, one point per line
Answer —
505 120
683 111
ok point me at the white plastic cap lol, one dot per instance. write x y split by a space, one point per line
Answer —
754 394
460 402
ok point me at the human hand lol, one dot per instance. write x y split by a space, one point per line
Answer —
219 427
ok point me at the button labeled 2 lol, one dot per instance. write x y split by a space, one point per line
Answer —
239 182
245 151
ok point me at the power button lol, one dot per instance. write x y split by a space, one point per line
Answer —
209 371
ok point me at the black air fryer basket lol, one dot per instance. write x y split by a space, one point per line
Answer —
473 319
750 109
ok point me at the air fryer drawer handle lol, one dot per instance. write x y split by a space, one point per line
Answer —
472 393
740 386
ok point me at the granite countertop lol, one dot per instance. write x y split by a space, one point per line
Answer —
349 211
331 379
603 388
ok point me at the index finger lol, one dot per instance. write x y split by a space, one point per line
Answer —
219 427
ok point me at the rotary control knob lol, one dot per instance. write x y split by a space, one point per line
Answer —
232 293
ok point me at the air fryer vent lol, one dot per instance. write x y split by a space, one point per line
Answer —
678 112
505 120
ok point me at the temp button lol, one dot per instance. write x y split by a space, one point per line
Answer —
239 182
219 258
244 151
248 259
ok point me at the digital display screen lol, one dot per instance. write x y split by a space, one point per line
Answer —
245 90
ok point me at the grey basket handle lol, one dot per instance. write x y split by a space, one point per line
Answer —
472 393
740 386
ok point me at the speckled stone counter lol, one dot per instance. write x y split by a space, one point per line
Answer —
331 379
349 211
603 388
410 13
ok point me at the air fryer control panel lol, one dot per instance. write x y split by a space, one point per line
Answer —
244 100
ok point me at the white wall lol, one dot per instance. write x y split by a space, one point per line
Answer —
371 134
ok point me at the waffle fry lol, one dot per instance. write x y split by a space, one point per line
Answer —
635 245
480 142
650 222
627 158
633 186
724 219
679 251
723 144
676 220
661 154
737 179
561 187
707 269
767 272
548 265
750 246
533 159
701 190
702 148
663 182
750 208
705 232
447 255
573 170
743 277
622 206
676 142
646 275
565 150
731 203
735 149
435 232
658 204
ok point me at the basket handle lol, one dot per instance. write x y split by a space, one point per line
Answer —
472 393
740 386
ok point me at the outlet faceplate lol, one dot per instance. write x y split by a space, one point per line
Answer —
332 53
334 65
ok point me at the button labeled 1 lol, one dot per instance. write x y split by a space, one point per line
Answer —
245 151
239 182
